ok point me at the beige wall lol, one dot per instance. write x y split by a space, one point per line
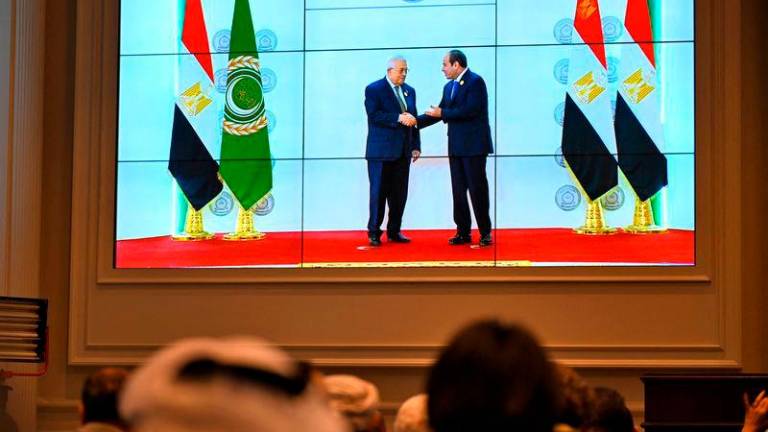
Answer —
613 330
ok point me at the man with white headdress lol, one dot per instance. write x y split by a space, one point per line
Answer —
412 415
226 385
357 400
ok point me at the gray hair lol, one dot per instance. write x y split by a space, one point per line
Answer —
391 62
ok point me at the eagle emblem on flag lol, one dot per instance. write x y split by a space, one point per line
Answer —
194 100
588 88
638 86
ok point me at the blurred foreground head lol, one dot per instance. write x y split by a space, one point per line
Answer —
98 400
492 377
412 415
610 412
232 385
578 398
357 400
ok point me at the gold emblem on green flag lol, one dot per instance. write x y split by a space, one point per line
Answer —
244 113
638 86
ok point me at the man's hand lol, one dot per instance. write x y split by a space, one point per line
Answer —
756 417
415 155
407 119
434 111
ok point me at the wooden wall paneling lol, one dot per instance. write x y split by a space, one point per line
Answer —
21 176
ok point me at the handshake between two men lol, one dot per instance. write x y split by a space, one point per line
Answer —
389 103
407 119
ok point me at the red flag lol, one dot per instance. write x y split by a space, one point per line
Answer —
195 36
589 26
638 24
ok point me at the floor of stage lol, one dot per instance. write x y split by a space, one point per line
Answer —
512 247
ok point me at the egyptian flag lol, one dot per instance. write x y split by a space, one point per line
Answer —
589 143
190 162
639 133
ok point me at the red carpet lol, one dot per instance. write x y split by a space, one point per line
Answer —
428 247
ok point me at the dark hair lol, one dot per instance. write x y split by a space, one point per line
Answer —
205 369
492 377
611 412
100 394
578 398
457 56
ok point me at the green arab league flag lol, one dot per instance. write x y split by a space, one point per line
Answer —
246 162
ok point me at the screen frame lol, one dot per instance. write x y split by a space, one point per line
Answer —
104 123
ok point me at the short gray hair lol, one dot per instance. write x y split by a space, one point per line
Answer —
391 62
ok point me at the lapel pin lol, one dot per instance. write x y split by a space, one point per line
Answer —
461 82
405 93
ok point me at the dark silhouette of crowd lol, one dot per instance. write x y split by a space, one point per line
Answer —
491 377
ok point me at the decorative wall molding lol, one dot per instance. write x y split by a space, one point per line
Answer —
21 180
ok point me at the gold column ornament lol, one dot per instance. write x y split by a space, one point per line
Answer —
594 223
244 230
193 227
642 221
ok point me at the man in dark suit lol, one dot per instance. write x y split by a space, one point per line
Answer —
464 107
393 142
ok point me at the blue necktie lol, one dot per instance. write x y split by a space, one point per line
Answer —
454 87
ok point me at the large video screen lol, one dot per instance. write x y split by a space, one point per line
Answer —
405 133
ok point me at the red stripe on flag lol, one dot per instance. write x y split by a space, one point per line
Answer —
590 27
638 24
195 36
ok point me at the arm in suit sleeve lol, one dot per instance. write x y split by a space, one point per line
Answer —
426 121
416 133
376 114
474 106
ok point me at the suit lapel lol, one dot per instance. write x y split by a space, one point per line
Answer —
394 104
408 94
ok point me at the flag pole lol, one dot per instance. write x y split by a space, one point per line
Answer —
594 221
193 227
245 229
643 221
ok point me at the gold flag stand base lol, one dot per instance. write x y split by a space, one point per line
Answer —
642 221
594 224
193 227
244 231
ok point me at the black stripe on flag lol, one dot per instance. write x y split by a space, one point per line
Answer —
191 164
586 154
644 166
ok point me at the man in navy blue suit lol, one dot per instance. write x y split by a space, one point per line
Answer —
393 142
464 107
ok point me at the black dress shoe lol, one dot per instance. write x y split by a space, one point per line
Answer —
486 240
374 240
398 238
459 240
